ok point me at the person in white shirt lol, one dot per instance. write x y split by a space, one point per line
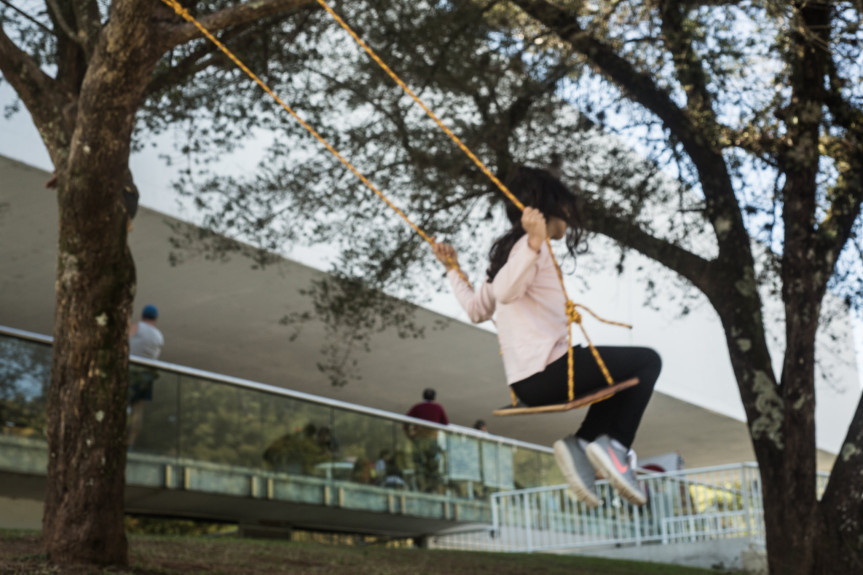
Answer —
145 340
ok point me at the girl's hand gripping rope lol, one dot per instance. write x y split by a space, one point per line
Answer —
534 224
445 254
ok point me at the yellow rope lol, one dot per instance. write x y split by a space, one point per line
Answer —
183 13
422 105
572 314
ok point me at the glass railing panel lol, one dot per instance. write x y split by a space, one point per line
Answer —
25 372
528 469
497 465
549 472
366 451
464 466
210 420
298 437
249 436
153 412
415 457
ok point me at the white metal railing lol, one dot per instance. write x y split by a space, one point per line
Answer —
704 504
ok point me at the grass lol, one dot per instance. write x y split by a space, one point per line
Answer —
20 554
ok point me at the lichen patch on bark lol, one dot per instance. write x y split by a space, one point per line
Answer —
722 226
769 405
849 450
69 267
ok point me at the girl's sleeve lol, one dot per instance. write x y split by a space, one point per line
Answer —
478 304
519 271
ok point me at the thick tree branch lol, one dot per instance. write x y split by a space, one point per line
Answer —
89 22
690 69
852 447
38 92
808 61
835 230
722 209
847 194
638 85
175 34
71 55
699 271
802 290
191 64
841 502
194 62
60 19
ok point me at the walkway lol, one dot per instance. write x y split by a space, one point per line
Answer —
221 448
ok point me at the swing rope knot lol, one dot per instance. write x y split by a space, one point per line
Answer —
572 313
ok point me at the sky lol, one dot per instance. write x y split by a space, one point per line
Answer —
699 370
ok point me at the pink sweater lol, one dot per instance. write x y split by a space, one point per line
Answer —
531 310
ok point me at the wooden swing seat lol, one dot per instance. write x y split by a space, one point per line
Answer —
587 399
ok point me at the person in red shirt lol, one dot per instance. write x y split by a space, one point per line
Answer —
427 454
429 409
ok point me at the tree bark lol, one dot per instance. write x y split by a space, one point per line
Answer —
792 521
83 521
841 545
86 403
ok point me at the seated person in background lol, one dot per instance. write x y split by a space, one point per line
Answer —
387 471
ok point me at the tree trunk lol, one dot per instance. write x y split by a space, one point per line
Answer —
791 514
840 546
83 520
834 552
785 451
784 446
87 399
793 527
788 466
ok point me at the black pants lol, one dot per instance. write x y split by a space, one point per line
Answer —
617 416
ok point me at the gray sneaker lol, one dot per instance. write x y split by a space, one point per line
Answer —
576 469
614 464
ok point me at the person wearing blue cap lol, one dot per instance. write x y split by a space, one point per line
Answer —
145 340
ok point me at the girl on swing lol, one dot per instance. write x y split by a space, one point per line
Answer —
523 291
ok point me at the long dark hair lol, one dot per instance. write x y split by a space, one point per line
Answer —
537 189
